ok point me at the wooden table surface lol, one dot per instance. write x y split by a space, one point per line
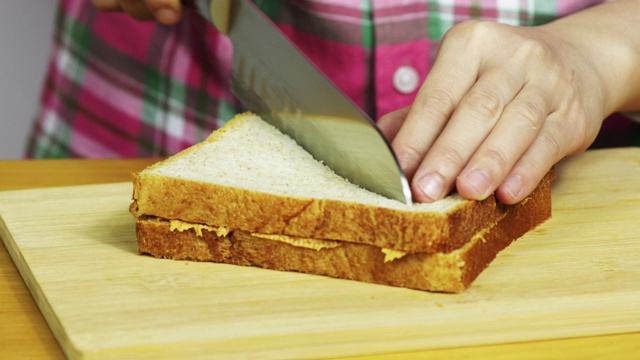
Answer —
24 334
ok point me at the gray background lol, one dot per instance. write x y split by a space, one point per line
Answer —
25 45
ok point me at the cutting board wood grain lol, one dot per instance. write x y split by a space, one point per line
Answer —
576 275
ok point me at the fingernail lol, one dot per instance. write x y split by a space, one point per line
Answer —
513 186
167 16
431 186
478 180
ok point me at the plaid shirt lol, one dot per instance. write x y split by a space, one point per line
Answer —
117 87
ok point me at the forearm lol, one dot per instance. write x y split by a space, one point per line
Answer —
609 35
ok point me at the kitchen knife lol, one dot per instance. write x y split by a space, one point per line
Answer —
272 78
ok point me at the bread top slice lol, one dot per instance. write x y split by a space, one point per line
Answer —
250 154
249 176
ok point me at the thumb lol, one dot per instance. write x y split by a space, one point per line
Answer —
166 12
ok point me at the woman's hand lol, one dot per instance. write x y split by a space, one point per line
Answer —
502 105
167 12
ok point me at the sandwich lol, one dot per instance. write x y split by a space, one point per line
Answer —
249 195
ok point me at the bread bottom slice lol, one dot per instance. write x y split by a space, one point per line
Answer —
442 272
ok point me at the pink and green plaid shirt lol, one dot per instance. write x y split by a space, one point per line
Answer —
117 87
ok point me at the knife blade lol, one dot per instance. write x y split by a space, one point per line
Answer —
275 80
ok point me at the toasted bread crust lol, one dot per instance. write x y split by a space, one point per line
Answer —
453 271
250 211
240 209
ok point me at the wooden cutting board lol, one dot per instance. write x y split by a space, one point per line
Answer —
576 275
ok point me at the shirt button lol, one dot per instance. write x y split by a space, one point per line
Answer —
406 79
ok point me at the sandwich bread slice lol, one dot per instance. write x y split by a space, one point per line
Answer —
249 195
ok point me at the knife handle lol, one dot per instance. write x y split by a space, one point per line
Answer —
219 11
221 15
